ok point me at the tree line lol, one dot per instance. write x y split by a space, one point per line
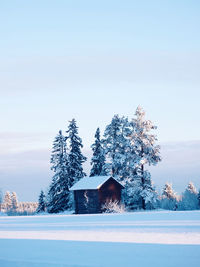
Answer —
124 151
10 205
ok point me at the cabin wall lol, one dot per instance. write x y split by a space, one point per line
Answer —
86 201
110 191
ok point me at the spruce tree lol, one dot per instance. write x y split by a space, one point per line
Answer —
116 144
75 157
145 152
58 195
98 158
41 203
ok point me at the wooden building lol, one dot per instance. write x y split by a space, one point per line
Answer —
91 193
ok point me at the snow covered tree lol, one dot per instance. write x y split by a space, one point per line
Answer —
58 195
129 146
41 202
1 199
7 201
198 197
148 193
169 199
131 196
146 152
1 196
98 158
14 202
75 157
116 143
168 191
189 198
122 158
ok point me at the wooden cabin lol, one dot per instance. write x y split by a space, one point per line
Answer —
91 193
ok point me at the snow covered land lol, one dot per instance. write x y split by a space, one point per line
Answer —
154 238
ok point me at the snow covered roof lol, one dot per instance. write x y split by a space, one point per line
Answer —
91 183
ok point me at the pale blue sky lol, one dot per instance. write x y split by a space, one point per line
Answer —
91 60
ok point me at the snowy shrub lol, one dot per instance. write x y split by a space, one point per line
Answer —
113 207
24 208
27 208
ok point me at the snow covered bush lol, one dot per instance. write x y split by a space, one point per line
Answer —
113 207
27 208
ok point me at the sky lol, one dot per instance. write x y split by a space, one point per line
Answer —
89 60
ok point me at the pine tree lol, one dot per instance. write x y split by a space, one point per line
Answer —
75 157
14 202
169 198
7 201
98 158
189 198
146 152
41 202
58 195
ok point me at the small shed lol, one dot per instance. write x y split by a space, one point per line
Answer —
91 193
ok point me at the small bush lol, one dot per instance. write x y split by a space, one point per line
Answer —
113 207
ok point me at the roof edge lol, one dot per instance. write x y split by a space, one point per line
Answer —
98 187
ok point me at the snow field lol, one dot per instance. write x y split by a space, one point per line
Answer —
158 238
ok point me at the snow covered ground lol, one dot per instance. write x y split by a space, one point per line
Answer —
158 238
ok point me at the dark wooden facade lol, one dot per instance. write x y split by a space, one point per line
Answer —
92 200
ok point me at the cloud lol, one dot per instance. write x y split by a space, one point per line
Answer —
180 164
14 142
44 74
